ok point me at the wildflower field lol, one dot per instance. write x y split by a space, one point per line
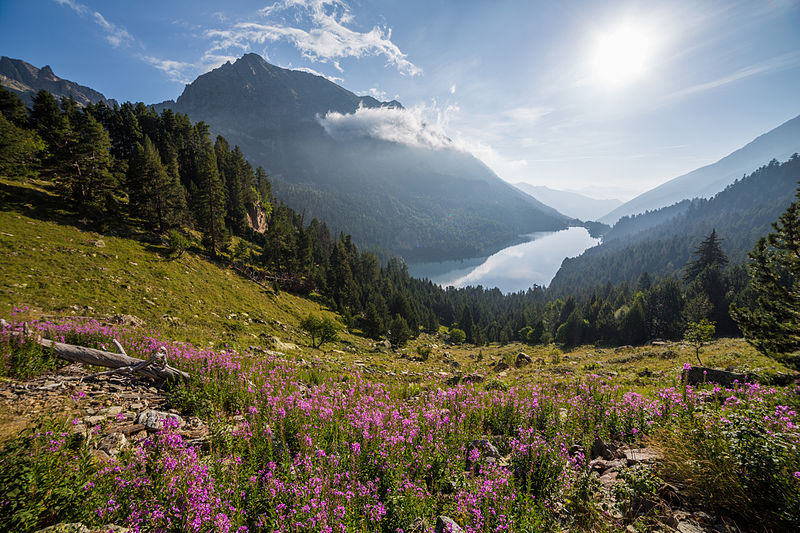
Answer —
294 447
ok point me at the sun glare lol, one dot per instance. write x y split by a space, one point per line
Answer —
620 56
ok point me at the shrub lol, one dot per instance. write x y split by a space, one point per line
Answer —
457 336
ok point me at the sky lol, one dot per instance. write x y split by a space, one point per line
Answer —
609 98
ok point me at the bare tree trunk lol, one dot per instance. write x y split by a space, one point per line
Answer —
91 356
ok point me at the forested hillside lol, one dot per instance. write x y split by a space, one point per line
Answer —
413 194
128 170
661 242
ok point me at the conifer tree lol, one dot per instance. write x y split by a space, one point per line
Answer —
155 195
772 325
210 203
708 253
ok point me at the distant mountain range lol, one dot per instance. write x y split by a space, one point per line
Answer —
357 164
660 242
572 204
25 81
779 143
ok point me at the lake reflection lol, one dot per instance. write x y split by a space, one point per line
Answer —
512 269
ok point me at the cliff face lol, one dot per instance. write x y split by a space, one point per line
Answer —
25 80
257 217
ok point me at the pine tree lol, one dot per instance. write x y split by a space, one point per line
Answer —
155 195
399 333
772 325
210 203
708 253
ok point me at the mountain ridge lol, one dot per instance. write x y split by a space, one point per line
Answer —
570 203
779 143
25 80
408 200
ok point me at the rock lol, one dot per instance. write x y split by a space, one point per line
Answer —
454 380
700 374
522 360
473 378
642 455
601 449
417 526
98 243
445 524
455 364
94 420
487 449
279 345
112 411
256 216
113 443
646 373
575 449
154 420
609 479
110 528
76 527
500 366
688 527
602 466
128 320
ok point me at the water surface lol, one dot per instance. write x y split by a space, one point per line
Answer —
512 269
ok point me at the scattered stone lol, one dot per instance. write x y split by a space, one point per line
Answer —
522 360
601 449
700 374
473 378
98 243
112 411
454 380
575 449
487 449
609 479
113 443
445 524
76 527
642 455
154 420
602 466
94 420
688 527
128 320
500 366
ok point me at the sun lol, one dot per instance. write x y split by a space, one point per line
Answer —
621 56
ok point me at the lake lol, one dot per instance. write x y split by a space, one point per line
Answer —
512 269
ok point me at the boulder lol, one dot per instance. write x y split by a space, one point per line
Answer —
154 420
699 374
522 360
445 524
500 366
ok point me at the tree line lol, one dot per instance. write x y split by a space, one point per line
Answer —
162 173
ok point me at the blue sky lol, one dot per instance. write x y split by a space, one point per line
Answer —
606 97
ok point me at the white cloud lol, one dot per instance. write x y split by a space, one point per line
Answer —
777 63
115 35
326 40
420 126
308 70
453 89
75 6
377 93
175 70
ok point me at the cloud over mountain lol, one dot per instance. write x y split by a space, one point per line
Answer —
403 126
318 29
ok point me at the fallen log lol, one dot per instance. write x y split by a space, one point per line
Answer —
93 356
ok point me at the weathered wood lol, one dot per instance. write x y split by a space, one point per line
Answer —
92 356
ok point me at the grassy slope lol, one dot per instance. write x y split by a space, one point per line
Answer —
51 265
